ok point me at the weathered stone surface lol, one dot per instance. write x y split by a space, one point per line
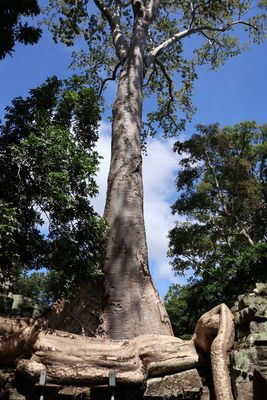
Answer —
261 350
243 361
249 359
253 338
184 385
261 313
250 304
261 289
258 327
249 372
73 391
245 315
243 388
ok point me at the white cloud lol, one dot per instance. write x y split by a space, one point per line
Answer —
103 148
159 169
159 172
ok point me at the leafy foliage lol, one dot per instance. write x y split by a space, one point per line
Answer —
179 36
12 26
48 163
43 287
185 304
222 188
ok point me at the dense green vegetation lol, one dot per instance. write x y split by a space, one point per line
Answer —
47 167
13 27
222 187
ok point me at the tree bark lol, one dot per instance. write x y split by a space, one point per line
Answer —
133 304
82 361
73 359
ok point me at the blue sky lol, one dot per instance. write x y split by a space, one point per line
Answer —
236 92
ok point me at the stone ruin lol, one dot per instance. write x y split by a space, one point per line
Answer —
247 363
249 357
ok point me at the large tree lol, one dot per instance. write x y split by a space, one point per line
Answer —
222 193
14 28
148 43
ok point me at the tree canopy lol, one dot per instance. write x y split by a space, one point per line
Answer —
111 29
13 27
48 163
222 188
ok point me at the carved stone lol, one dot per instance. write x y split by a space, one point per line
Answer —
183 385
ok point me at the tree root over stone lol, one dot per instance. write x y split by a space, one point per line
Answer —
79 360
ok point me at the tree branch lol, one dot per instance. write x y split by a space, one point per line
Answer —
188 32
169 80
194 9
112 78
149 78
119 41
211 39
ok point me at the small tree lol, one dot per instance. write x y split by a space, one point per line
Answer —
222 192
144 41
47 168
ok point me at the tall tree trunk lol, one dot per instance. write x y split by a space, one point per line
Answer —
133 304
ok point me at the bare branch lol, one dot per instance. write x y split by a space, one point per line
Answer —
112 78
120 43
188 32
150 77
212 39
168 79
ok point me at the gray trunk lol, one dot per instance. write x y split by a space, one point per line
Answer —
133 304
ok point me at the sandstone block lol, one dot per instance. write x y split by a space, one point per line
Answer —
184 385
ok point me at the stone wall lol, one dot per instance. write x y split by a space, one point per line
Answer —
249 356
